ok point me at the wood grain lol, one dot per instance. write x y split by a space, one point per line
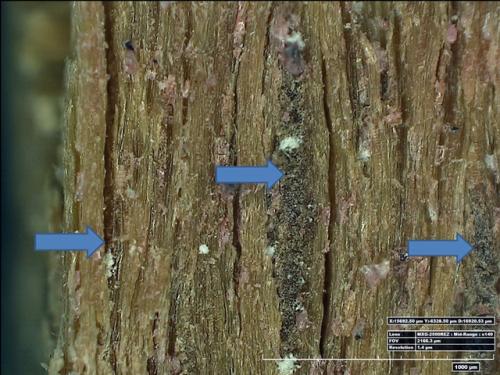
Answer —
397 116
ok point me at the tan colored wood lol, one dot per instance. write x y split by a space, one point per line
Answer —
395 113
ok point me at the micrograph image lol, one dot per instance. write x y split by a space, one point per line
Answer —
250 187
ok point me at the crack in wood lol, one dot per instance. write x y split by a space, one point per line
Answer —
185 65
328 257
174 287
109 185
266 46
237 247
151 365
240 16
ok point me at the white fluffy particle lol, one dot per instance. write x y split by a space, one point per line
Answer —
374 273
270 251
364 154
296 38
109 261
432 214
290 143
287 365
131 193
491 162
203 249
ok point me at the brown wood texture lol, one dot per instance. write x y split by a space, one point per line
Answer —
385 123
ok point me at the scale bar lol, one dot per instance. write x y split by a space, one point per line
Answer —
376 359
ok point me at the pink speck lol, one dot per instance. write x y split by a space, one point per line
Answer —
451 34
130 64
375 273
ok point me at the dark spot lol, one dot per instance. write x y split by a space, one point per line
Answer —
384 84
293 206
128 45
151 366
452 128
292 57
292 51
295 116
403 257
359 330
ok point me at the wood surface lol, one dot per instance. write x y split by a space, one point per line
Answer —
394 107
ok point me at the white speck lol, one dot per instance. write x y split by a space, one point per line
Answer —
432 214
270 251
287 365
162 85
132 249
357 6
109 262
203 249
290 143
150 75
364 154
376 272
299 306
491 162
296 38
485 30
131 193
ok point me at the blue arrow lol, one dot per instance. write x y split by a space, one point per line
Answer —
269 175
88 241
439 248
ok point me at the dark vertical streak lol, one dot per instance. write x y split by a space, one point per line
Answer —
266 47
151 365
236 199
328 259
237 247
174 287
109 183
172 319
112 98
185 62
481 278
